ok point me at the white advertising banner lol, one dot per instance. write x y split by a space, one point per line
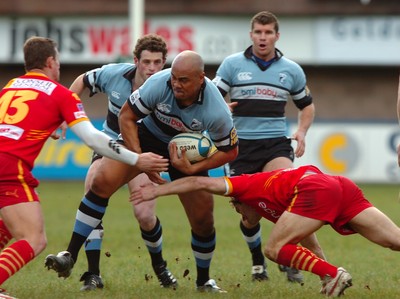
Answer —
364 152
307 40
369 40
101 40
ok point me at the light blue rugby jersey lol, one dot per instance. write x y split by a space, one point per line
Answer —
115 80
155 102
261 94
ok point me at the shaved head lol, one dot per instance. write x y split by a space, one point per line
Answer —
188 60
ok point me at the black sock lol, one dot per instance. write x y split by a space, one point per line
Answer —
204 247
252 236
153 241
92 249
94 207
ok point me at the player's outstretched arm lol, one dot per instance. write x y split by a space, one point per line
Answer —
183 185
107 147
151 163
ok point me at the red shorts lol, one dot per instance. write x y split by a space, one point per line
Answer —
333 199
17 183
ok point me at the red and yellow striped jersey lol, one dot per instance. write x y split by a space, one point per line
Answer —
31 108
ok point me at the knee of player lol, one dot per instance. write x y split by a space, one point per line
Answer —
203 229
97 187
145 215
105 185
204 226
202 221
394 244
147 221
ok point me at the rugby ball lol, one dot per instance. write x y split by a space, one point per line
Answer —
196 145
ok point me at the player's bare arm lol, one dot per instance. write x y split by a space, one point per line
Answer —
232 105
306 118
77 86
129 131
183 185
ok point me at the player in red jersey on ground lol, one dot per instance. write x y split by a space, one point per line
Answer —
32 107
299 201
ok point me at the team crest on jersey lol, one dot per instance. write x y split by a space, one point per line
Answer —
166 108
115 94
282 78
79 106
244 76
196 125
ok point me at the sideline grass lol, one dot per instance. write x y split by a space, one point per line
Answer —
374 269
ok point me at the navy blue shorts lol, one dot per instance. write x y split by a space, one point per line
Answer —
254 154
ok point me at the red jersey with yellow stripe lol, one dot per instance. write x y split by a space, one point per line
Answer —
31 108
270 193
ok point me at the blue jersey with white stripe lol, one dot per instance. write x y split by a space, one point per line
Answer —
261 93
155 102
115 80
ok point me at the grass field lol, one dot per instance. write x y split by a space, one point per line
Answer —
374 269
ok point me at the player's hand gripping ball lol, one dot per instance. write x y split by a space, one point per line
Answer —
197 146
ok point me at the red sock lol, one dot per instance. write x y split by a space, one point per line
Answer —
5 235
301 258
13 258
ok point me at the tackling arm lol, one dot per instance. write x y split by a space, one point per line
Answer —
103 144
183 185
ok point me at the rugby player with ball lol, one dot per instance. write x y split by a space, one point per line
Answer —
173 101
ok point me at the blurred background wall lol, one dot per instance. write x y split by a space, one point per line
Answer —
364 89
